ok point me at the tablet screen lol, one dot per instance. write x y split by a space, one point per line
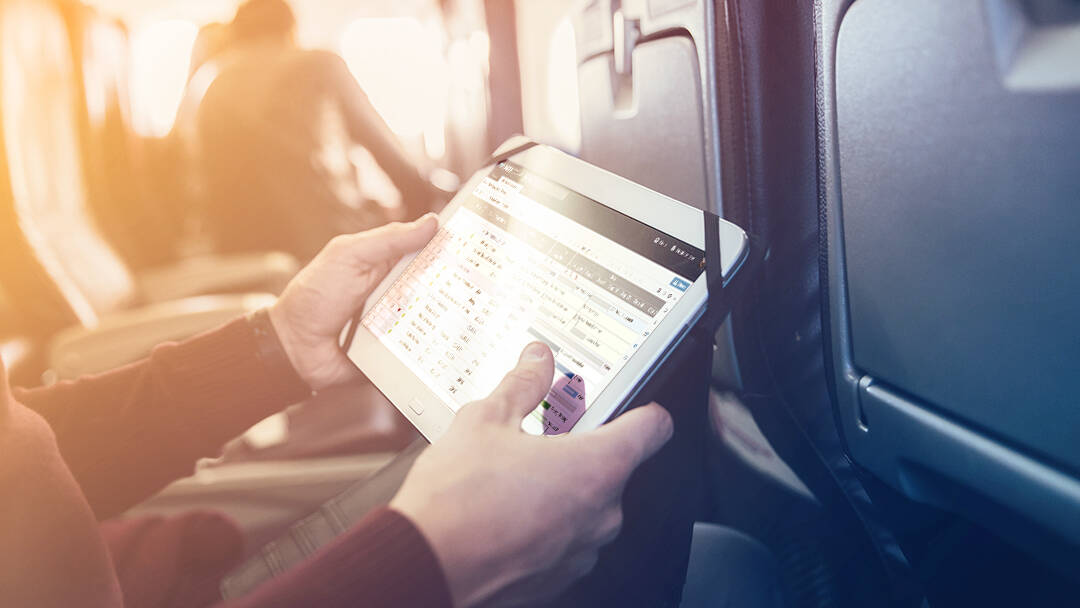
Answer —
525 259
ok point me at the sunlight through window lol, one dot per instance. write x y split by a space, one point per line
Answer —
400 65
562 86
160 52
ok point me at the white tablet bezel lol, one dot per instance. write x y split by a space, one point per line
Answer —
432 416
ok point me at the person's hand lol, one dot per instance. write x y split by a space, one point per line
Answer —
514 517
313 309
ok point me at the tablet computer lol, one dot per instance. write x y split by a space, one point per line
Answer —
540 247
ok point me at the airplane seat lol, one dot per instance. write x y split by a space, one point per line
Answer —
650 110
765 79
33 306
905 166
641 74
143 224
63 273
713 104
137 200
36 304
48 200
730 568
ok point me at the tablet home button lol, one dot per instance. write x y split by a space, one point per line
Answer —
416 406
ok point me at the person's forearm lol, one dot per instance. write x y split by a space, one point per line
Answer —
127 433
382 562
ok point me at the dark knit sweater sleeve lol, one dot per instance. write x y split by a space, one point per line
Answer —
382 562
127 433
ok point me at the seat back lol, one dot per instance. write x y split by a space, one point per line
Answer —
910 167
766 66
646 113
113 155
40 109
650 109
647 107
952 257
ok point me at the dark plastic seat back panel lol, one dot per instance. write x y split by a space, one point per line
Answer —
660 140
648 102
949 193
961 202
645 113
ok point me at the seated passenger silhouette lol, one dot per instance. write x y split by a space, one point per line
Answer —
273 130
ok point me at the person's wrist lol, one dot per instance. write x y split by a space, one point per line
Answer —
270 348
290 345
318 361
469 573
453 570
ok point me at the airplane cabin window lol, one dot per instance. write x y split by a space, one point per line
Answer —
380 51
551 109
160 54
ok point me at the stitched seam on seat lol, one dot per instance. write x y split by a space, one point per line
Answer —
869 520
748 189
726 108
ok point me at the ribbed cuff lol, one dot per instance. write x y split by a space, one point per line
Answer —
382 562
399 566
226 387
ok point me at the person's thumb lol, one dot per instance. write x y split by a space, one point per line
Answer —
525 386
391 241
636 435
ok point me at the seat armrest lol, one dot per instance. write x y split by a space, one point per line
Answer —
264 498
127 336
268 272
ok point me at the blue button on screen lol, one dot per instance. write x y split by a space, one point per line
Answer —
680 284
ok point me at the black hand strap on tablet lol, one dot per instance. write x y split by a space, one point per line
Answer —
702 337
518 145
717 306
663 497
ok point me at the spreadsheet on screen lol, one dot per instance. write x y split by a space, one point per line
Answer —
525 259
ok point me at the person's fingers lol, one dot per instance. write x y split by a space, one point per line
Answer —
390 242
525 386
635 435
